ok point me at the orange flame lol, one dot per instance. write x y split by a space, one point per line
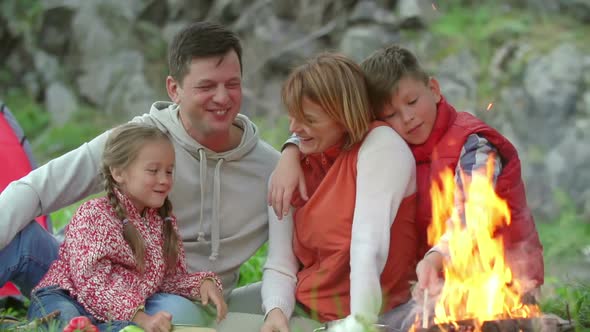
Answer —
490 105
478 282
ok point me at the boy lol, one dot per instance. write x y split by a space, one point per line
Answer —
410 101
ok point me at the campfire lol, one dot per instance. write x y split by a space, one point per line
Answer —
480 292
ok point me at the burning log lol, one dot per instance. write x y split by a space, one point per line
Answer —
546 323
502 325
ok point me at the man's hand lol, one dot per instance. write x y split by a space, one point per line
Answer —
286 177
161 321
210 292
276 321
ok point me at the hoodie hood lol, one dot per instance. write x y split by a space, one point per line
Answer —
167 114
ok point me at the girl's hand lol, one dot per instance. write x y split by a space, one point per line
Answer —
276 321
285 178
161 321
427 271
209 291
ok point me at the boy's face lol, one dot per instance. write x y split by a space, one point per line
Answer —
411 111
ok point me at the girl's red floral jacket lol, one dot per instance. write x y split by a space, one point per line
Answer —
97 266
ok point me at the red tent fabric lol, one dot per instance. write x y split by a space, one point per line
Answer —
15 162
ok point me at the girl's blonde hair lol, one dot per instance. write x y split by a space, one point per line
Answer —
121 149
336 84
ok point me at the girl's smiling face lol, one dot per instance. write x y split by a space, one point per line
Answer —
147 181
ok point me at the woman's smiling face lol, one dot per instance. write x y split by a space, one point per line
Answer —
317 131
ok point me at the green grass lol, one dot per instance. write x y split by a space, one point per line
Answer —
566 292
484 26
83 126
569 300
480 28
564 240
29 114
23 16
49 140
274 131
251 271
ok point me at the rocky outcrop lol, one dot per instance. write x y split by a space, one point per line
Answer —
111 54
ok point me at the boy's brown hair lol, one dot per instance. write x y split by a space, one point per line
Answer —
385 68
336 84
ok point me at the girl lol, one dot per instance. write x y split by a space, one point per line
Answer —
123 248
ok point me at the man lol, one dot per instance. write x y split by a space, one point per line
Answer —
221 174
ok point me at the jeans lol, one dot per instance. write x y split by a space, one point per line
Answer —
28 256
26 259
48 299
246 299
183 310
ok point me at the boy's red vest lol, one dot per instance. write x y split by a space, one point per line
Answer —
322 235
442 150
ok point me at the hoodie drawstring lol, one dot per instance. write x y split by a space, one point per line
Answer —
215 224
203 175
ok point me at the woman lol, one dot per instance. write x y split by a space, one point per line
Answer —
350 249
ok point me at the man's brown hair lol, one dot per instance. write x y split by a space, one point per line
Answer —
200 40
